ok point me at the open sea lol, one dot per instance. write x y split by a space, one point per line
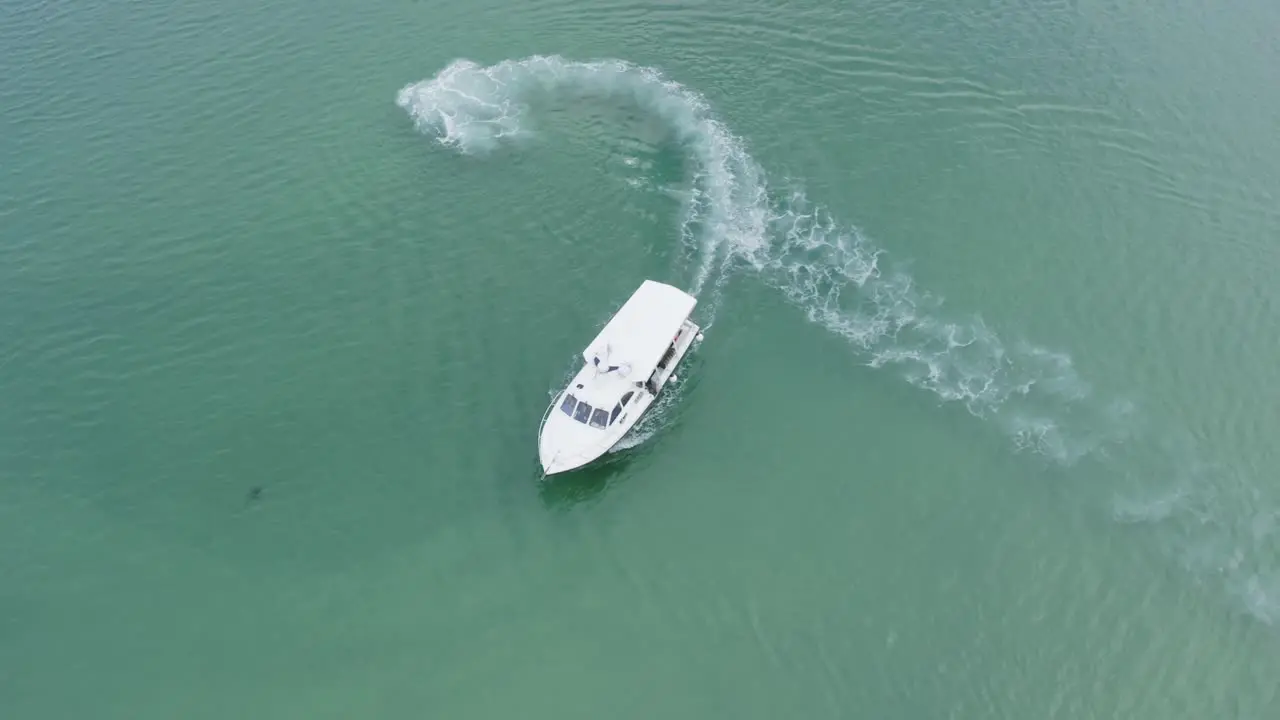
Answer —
984 424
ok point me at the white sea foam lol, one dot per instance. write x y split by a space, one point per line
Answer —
844 282
1217 522
473 108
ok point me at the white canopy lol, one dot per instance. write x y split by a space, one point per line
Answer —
640 332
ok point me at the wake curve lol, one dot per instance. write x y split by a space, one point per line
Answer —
844 282
474 108
835 274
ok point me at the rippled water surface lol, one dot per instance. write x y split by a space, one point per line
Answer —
983 424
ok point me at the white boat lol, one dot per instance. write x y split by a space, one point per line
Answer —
624 369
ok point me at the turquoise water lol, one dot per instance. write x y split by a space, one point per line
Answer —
981 426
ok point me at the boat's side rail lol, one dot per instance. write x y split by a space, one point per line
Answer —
689 334
550 407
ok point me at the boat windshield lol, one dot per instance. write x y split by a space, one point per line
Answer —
566 406
582 411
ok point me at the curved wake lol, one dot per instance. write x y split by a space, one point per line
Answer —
838 277
473 108
833 273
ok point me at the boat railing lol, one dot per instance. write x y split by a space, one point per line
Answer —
550 406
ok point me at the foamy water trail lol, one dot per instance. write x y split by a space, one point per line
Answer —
844 282
474 108
838 277
1214 520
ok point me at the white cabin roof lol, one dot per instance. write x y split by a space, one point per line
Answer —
641 331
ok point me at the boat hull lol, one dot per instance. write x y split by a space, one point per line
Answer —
565 445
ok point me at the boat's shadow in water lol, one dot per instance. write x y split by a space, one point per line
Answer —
562 492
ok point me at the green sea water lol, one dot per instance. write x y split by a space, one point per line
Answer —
983 425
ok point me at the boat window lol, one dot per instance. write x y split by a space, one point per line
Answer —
626 398
614 415
568 403
599 418
582 412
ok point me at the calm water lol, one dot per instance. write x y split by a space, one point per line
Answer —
983 425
